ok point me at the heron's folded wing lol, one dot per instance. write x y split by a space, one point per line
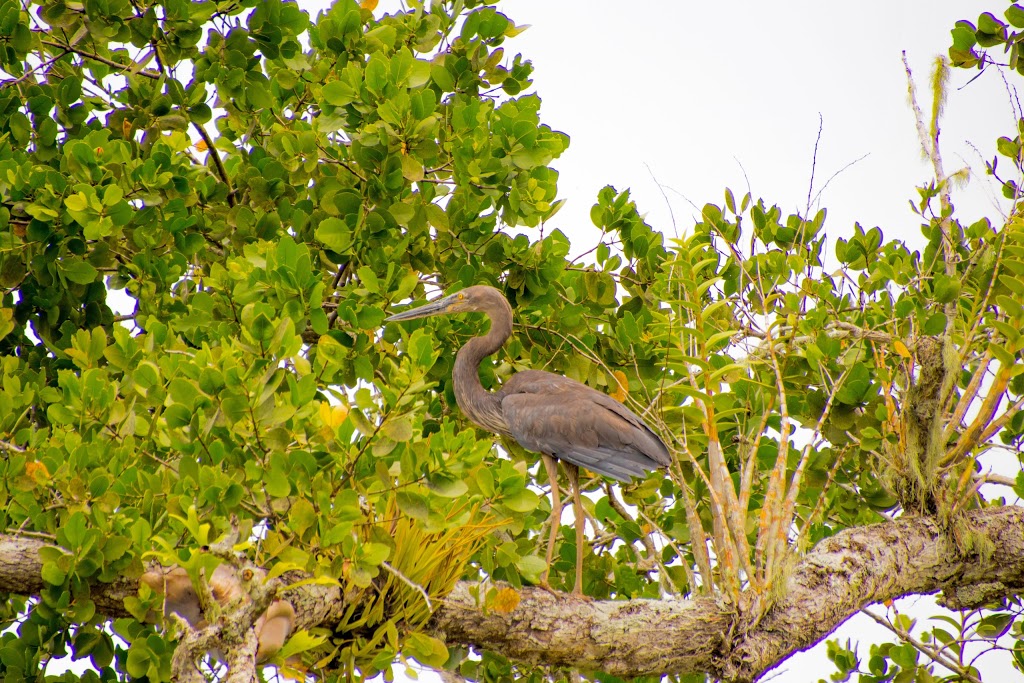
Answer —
552 414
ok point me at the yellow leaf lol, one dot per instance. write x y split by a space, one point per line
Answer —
901 348
317 581
505 601
126 128
369 4
621 386
512 31
201 146
282 567
7 324
332 416
37 471
293 672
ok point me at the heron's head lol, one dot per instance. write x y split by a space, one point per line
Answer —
478 298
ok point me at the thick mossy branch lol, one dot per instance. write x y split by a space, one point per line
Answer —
841 575
916 481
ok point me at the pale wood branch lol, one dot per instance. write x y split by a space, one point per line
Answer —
840 576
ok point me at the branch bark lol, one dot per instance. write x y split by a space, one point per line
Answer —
841 575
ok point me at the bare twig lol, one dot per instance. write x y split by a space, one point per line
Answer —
410 583
221 170
932 653
102 60
814 162
31 72
8 446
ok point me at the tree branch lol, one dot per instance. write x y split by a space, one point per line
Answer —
221 170
841 575
132 68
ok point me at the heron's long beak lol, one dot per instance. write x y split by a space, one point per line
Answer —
437 307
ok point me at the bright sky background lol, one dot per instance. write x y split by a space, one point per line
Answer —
687 93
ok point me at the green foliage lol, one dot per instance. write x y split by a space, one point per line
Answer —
947 650
207 210
240 382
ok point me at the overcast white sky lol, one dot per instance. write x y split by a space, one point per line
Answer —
695 90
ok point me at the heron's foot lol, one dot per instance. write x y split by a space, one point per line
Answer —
578 593
543 583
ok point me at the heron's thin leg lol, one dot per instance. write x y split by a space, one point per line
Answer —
551 465
574 483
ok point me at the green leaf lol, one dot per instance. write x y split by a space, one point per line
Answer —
485 481
531 567
137 662
442 78
401 66
52 574
338 93
302 516
377 73
427 650
988 23
335 235
419 74
1008 148
112 194
437 217
368 278
905 656
1015 15
412 504
277 484
300 642
993 626
935 325
945 289
398 429
374 553
412 170
422 349
402 213
20 127
964 39
78 271
1018 654
521 501
446 485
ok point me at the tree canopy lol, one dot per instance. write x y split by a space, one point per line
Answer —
207 211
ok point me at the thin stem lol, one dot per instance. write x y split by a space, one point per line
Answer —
221 170
102 60
932 653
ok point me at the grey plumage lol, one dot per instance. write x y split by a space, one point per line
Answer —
553 415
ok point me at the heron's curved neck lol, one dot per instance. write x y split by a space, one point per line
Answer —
477 403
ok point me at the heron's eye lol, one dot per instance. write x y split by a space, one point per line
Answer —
461 297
